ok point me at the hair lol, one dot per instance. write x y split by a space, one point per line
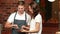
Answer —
35 9
21 3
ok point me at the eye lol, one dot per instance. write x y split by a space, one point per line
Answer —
21 8
18 8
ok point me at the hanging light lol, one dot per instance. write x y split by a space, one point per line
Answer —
51 0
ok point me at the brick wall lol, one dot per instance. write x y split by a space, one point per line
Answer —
6 8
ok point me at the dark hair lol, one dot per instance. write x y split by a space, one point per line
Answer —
21 3
35 9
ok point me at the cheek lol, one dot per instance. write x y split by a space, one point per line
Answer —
31 10
19 10
23 9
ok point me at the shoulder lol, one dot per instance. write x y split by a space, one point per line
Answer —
12 14
28 15
11 17
38 16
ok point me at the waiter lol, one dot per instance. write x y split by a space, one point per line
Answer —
18 19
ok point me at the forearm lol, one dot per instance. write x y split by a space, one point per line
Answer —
8 25
27 27
33 31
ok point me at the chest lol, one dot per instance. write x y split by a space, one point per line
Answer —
20 17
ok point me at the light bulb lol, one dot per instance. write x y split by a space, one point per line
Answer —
51 0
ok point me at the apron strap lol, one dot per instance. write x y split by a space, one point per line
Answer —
15 16
25 17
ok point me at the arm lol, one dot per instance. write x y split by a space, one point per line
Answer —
10 20
38 21
37 28
8 25
25 27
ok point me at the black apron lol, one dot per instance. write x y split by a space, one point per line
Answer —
19 23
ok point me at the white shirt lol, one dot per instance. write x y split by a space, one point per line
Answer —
38 19
19 17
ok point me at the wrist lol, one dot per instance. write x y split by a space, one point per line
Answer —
12 26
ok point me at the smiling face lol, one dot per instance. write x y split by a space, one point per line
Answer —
21 8
30 9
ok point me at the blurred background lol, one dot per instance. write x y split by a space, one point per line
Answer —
49 10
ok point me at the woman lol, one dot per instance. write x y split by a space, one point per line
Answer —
36 21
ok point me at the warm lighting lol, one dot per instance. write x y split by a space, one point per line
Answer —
57 32
51 0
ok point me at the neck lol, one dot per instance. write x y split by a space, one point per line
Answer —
20 13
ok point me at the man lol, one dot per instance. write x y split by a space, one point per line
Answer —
18 19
